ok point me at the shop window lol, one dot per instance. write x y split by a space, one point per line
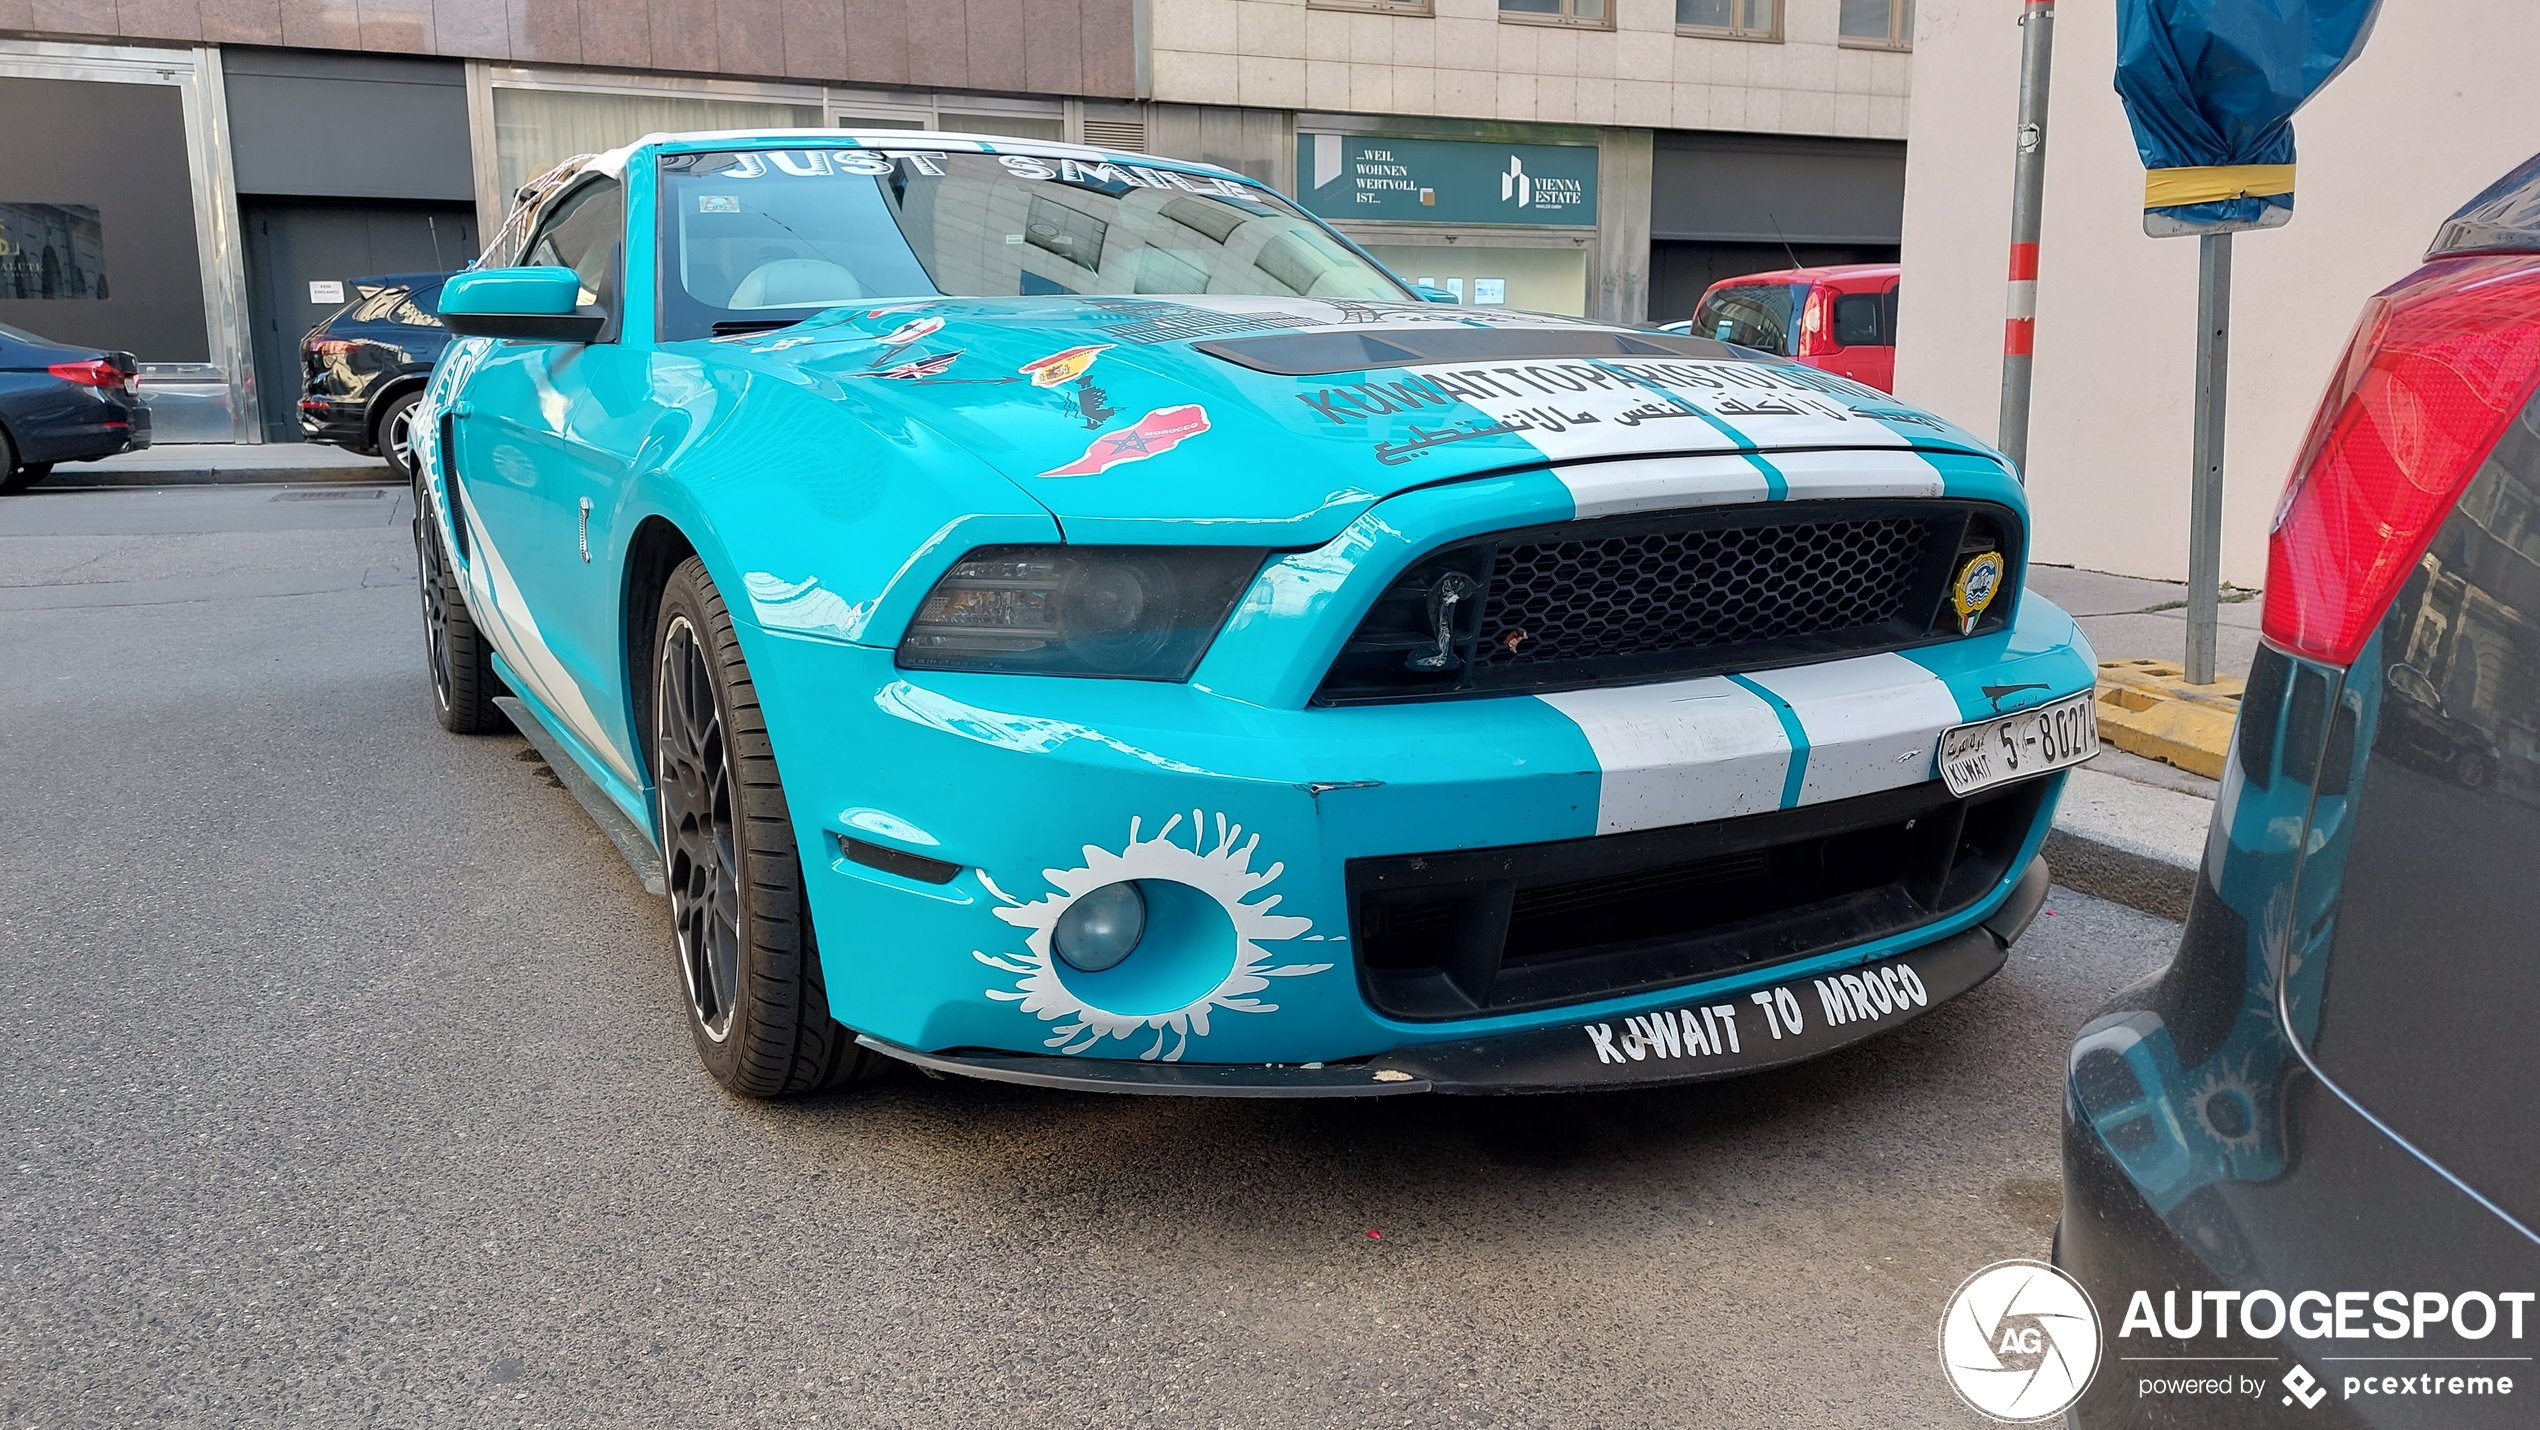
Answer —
1013 126
535 129
55 251
1386 7
1730 19
1876 24
1596 13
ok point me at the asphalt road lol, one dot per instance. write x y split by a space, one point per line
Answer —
344 1083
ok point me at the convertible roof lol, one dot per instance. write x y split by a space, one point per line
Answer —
615 160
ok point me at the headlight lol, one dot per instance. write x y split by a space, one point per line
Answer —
1127 612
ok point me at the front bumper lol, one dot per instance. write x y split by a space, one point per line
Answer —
1253 816
1261 825
1686 1042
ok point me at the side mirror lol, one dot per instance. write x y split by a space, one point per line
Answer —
1435 295
537 304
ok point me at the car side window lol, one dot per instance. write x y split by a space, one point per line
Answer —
411 314
1856 321
585 232
376 307
1887 311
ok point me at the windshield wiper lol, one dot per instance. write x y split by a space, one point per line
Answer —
730 327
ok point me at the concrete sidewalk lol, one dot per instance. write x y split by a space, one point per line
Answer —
223 463
2129 829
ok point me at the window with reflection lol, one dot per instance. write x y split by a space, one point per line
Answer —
1558 12
1876 24
1731 19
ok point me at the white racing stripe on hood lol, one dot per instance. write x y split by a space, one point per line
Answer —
1825 476
1873 722
1660 484
1679 753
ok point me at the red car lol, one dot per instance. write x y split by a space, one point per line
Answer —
1842 319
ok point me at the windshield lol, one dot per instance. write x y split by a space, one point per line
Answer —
759 238
1756 315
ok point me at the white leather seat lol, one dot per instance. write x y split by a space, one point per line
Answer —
796 283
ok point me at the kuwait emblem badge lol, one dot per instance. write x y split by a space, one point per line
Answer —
1979 581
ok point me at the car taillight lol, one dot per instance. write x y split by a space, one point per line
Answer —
96 372
1816 322
2439 363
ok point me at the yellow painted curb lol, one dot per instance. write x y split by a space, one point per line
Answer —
2146 707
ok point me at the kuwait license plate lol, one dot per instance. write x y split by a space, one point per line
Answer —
2017 746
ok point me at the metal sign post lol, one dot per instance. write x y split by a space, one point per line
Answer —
2210 87
2028 203
2204 507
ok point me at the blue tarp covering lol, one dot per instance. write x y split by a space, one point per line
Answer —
2212 83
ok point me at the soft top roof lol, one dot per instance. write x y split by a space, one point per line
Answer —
615 160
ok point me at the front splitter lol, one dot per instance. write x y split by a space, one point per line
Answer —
1693 1041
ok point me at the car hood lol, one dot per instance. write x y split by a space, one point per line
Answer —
1280 420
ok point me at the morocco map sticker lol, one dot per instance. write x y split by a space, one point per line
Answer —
1159 431
1064 366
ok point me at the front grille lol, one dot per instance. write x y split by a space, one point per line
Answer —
1621 600
1466 933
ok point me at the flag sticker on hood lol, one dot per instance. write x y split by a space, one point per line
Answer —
916 369
1064 366
910 332
1159 431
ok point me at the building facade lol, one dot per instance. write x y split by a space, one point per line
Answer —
204 178
2402 138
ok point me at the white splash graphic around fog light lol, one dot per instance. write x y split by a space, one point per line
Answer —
1221 874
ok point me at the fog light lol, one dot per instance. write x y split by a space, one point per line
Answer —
1100 929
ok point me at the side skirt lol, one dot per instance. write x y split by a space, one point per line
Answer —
633 841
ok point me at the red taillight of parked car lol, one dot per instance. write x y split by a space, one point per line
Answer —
1816 322
2439 363
96 372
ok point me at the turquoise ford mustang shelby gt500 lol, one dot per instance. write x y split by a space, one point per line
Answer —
1197 665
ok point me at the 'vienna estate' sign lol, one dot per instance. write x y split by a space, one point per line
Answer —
1452 181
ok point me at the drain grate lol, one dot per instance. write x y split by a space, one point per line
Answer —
331 494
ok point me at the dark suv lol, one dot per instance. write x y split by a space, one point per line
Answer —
2304 1159
363 369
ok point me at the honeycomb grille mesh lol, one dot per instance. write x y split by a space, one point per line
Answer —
1678 590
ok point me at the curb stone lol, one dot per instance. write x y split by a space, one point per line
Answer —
2135 844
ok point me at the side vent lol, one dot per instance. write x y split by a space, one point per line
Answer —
450 482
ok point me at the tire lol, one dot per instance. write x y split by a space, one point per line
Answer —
2474 770
15 478
741 919
395 435
456 655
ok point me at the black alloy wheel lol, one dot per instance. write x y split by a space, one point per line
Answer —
397 433
15 478
695 780
462 666
740 915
